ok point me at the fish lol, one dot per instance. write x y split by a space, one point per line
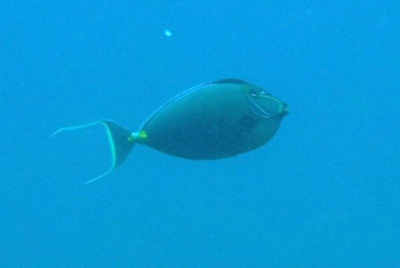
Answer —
210 121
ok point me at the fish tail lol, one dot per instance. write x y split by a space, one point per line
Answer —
121 142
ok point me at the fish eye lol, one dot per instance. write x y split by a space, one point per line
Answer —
254 92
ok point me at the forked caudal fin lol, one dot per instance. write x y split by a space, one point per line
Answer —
121 142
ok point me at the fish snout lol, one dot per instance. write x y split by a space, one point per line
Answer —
285 109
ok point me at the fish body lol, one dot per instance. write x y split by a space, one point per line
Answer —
210 121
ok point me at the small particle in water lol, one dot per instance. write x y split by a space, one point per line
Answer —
167 33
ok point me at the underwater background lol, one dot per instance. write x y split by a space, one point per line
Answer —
325 192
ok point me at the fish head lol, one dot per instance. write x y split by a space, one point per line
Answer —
263 104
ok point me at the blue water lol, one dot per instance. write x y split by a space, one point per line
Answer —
325 192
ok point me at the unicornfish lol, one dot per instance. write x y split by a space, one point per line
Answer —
213 120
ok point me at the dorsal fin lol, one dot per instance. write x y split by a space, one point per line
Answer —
229 81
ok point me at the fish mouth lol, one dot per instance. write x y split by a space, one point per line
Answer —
286 109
